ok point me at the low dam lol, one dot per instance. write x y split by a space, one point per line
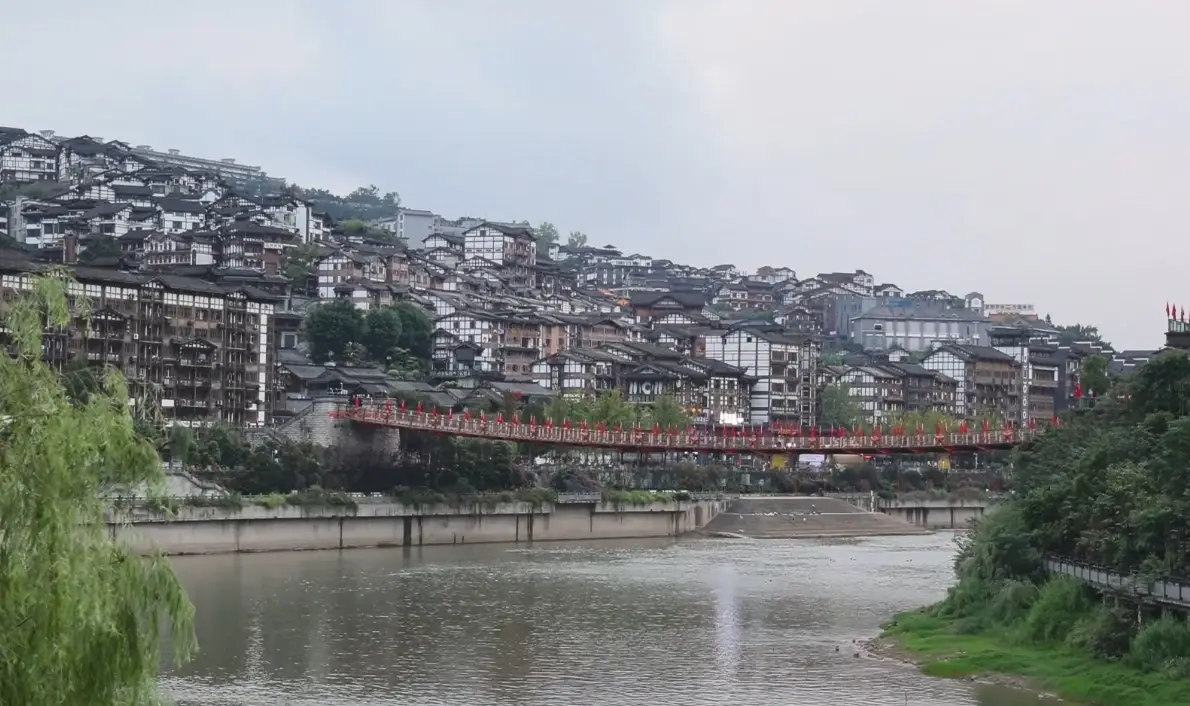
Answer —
215 530
803 517
947 513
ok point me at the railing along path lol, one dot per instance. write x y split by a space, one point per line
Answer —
1161 591
681 439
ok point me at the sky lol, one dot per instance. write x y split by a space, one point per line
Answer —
1037 153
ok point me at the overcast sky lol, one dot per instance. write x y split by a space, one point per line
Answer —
1037 152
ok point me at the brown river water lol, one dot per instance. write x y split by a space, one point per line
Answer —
627 623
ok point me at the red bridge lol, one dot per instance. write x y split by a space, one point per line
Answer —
690 439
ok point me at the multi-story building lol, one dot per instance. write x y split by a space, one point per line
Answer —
917 326
880 391
245 177
511 247
26 157
784 367
165 250
199 351
988 380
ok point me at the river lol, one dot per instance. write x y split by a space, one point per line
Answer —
642 623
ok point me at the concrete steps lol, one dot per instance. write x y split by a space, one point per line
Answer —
804 518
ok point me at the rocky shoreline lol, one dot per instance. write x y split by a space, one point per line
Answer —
887 649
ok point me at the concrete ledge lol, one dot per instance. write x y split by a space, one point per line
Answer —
213 530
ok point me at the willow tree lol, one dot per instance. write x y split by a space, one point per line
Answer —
80 618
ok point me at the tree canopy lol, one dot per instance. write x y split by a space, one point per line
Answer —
1078 333
397 336
576 239
98 246
82 617
547 234
365 203
331 327
840 408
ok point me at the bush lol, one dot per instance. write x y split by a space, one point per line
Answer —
1106 633
271 501
1060 605
1163 646
1013 602
317 497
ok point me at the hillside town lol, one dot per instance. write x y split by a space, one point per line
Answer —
202 277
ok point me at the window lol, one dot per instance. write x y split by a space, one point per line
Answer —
289 340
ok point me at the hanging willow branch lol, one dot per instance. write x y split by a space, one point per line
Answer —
91 617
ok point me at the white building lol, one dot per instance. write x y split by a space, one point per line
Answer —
785 368
512 247
25 157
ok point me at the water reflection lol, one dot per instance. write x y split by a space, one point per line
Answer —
658 622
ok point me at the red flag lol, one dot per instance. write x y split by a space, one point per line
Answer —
1167 310
1183 314
419 407
1078 390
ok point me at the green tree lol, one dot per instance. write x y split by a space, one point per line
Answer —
299 266
666 412
547 235
1078 333
610 408
1093 376
83 617
330 327
80 381
576 239
382 333
183 447
839 407
416 330
98 246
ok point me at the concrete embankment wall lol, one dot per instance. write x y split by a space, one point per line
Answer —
928 513
935 514
210 530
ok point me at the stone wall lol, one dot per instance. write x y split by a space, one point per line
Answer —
212 530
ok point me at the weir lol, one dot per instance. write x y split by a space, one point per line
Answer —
802 517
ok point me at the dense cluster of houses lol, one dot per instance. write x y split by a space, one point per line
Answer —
198 301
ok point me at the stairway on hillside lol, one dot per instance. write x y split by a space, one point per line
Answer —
804 517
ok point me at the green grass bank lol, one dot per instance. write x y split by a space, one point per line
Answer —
1058 638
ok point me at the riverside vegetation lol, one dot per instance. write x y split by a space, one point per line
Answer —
1111 487
82 619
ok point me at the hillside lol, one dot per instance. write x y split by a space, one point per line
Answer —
365 203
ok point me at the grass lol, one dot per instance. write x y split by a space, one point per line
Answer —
946 649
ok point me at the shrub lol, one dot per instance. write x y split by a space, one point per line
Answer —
1061 604
271 501
1163 646
1106 633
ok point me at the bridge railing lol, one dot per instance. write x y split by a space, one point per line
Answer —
679 440
1168 591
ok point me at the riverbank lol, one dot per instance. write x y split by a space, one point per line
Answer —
998 654
220 529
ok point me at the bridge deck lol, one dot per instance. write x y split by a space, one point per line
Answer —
1163 592
689 440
